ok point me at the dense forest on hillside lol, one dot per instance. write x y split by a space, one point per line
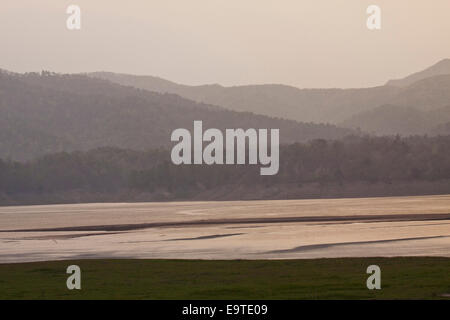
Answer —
390 120
357 166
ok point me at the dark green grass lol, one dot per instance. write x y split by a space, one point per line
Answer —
401 278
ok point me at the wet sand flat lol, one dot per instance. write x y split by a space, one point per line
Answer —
281 229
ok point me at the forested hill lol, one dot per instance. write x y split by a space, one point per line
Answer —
351 167
46 112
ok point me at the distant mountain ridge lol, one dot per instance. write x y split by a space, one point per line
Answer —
421 108
275 100
47 112
424 91
440 68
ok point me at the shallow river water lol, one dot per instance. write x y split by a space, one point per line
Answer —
282 229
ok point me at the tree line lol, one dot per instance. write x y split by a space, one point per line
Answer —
355 159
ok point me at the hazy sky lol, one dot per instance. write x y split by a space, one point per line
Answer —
314 43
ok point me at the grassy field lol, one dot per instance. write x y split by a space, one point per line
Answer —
401 278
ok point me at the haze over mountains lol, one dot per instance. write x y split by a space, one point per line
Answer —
113 124
407 100
315 105
440 68
46 113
